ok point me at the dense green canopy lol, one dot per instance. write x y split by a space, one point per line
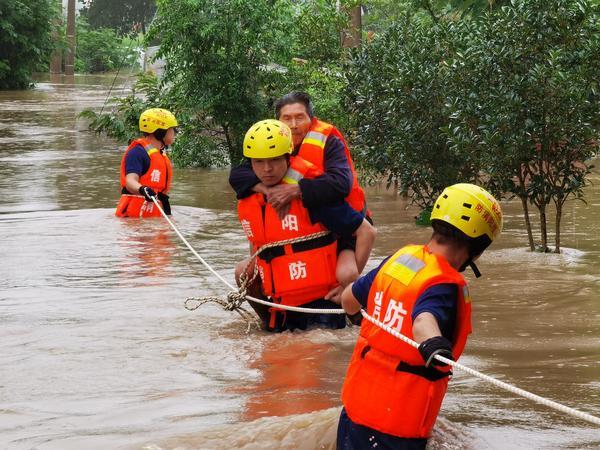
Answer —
25 39
503 94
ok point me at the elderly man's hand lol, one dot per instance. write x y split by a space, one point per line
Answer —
280 196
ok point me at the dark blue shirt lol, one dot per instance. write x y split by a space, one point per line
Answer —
341 219
439 300
331 188
137 161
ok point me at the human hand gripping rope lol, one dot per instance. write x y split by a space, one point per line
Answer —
236 297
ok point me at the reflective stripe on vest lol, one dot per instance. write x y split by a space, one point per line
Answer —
299 169
315 138
387 386
292 176
405 268
312 149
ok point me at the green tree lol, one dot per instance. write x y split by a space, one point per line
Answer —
531 103
219 56
398 90
226 63
381 14
102 50
25 40
314 40
124 16
507 99
122 122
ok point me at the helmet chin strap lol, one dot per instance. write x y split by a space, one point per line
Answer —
470 263
475 269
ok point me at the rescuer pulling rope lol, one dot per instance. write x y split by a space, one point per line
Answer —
565 409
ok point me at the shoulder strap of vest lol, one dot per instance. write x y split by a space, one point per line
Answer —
405 264
318 134
300 168
321 126
150 149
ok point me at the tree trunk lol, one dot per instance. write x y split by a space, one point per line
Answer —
233 154
526 213
70 57
543 228
56 58
557 225
527 223
351 38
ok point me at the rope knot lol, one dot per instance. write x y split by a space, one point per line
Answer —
235 299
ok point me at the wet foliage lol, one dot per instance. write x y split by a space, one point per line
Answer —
25 40
102 50
123 16
226 64
507 99
502 94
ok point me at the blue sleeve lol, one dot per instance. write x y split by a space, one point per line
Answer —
242 179
334 185
441 301
362 286
137 161
341 219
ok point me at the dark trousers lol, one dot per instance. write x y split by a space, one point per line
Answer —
291 320
352 436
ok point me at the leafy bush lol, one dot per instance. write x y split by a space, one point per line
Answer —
531 102
507 99
123 16
121 122
227 62
398 90
101 50
25 40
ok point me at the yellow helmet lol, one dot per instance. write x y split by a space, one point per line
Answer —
268 139
471 209
157 118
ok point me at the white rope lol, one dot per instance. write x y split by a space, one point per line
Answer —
500 384
256 300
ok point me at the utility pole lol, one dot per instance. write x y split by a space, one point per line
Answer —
70 57
56 58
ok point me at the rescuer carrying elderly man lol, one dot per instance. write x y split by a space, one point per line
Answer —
393 392
300 273
321 144
146 170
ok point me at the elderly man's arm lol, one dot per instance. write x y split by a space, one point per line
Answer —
244 181
334 185
331 188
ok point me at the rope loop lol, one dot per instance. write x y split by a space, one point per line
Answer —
236 298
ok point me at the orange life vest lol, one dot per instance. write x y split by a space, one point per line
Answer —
387 386
312 149
158 177
297 273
